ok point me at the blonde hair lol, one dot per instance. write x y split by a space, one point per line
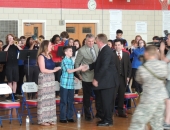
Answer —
44 48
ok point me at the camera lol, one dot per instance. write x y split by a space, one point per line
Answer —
160 39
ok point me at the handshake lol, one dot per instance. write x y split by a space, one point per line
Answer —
83 68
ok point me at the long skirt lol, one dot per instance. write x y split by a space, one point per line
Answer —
46 109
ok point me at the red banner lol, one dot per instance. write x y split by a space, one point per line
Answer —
82 4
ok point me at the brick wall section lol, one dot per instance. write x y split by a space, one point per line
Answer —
52 17
82 4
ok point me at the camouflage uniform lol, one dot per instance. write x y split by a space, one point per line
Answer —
152 104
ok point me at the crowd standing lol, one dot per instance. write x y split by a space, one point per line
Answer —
105 67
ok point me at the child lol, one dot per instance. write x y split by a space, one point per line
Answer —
67 86
152 103
70 41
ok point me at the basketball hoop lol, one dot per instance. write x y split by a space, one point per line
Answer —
164 4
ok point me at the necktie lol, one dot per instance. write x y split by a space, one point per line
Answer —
119 56
93 54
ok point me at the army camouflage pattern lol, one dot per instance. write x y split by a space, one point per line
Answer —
152 102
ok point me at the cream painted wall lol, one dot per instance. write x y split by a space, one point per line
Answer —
52 17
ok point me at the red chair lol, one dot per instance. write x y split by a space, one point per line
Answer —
5 89
130 96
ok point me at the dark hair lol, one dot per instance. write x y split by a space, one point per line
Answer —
64 34
143 42
119 40
42 37
83 42
155 38
119 31
65 48
28 42
2 42
54 37
78 43
22 37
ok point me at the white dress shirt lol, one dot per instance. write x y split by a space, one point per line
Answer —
120 53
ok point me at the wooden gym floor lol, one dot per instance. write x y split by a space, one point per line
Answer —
119 123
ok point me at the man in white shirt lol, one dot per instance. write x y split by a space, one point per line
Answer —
123 66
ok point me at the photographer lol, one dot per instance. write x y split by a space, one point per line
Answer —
155 39
167 60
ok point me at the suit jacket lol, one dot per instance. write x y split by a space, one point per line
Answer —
126 64
84 56
105 71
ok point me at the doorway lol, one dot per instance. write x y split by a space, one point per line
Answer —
33 29
79 30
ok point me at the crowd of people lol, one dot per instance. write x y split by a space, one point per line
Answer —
105 67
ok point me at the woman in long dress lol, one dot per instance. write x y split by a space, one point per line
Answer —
46 108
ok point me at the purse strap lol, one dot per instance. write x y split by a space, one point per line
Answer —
160 78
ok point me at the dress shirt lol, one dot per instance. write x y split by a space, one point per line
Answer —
120 53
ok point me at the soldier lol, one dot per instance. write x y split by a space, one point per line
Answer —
152 103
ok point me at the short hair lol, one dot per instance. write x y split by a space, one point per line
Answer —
102 37
54 37
111 41
155 38
119 31
64 34
133 42
42 37
151 50
2 42
90 36
65 48
22 37
118 40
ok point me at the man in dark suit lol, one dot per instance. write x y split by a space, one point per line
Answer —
123 66
105 79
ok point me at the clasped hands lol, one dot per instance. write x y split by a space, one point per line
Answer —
84 68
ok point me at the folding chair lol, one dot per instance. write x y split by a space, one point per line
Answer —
130 96
29 87
5 89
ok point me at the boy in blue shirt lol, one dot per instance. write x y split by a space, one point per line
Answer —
67 86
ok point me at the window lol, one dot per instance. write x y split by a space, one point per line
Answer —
8 27
70 29
86 30
36 31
